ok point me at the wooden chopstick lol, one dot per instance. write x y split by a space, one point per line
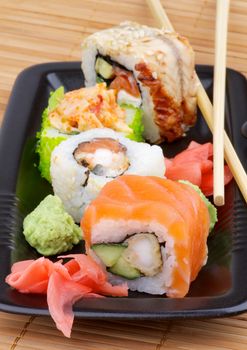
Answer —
206 107
222 10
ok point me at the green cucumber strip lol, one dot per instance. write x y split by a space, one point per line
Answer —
124 269
109 253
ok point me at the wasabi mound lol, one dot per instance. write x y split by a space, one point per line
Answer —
50 229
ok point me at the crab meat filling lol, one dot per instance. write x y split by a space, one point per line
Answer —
144 253
89 108
103 156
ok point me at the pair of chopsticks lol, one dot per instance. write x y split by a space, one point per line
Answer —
214 117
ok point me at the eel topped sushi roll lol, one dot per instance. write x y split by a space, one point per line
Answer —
83 164
150 232
150 68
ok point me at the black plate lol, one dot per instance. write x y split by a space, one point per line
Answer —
219 290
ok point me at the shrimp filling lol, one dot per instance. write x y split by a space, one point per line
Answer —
143 253
103 156
139 255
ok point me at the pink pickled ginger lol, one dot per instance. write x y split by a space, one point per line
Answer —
64 284
195 164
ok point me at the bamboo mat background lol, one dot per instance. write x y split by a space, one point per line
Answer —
41 31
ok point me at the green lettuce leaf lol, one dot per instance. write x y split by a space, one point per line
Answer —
45 148
211 208
55 97
134 121
48 137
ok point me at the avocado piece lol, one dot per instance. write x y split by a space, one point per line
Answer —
124 269
104 68
109 253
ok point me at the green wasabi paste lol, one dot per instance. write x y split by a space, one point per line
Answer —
50 229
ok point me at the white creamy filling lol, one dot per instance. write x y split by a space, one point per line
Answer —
143 253
52 132
124 97
104 162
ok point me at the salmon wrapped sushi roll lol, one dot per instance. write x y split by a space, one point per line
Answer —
150 232
83 164
150 68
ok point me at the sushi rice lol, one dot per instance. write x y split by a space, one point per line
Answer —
77 185
161 227
105 231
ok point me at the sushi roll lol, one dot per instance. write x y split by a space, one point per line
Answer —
80 110
149 232
83 164
150 68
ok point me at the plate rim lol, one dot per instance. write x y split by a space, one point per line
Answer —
35 74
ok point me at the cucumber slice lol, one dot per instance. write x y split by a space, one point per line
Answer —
124 269
104 68
109 253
